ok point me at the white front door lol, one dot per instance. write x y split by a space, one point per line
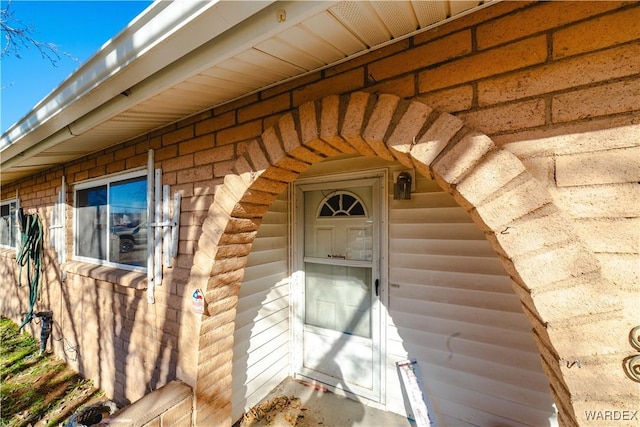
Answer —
338 247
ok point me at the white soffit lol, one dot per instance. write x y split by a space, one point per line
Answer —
208 55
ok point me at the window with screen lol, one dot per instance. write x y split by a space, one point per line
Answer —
111 221
9 231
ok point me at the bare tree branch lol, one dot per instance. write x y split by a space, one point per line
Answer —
18 36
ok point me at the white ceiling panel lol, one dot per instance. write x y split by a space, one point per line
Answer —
137 115
304 40
221 85
459 6
430 12
239 66
326 26
219 73
361 19
264 60
286 52
52 158
398 16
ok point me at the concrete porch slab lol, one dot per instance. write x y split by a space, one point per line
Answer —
319 407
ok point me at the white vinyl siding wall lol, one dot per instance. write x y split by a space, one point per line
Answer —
451 307
261 338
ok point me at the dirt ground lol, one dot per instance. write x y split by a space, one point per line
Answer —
37 390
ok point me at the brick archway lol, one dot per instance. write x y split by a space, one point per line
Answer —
556 278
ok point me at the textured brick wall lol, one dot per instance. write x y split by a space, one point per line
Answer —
555 159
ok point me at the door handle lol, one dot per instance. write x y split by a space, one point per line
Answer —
377 287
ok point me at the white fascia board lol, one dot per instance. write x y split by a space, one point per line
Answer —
160 35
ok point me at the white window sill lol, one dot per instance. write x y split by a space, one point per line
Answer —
117 276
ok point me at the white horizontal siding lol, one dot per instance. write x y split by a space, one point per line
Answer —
261 338
451 307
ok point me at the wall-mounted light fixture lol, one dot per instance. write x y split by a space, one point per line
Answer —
402 186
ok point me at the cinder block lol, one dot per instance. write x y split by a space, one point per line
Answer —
329 113
241 225
621 269
172 137
151 406
492 173
537 19
543 228
225 285
272 144
613 98
226 198
293 164
291 141
539 270
309 129
268 107
212 229
541 168
443 49
576 302
346 82
404 87
212 155
433 141
239 133
156 422
358 108
609 235
601 201
452 100
278 174
405 132
234 250
183 421
521 54
520 197
211 349
269 185
599 167
256 156
598 33
507 118
216 123
588 69
195 174
606 334
323 148
461 157
196 144
378 123
597 378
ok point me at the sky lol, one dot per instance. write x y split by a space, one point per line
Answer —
79 28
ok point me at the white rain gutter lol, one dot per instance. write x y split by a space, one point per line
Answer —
159 36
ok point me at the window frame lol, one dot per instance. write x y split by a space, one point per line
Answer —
16 206
106 181
338 193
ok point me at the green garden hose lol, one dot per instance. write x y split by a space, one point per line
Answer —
30 255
